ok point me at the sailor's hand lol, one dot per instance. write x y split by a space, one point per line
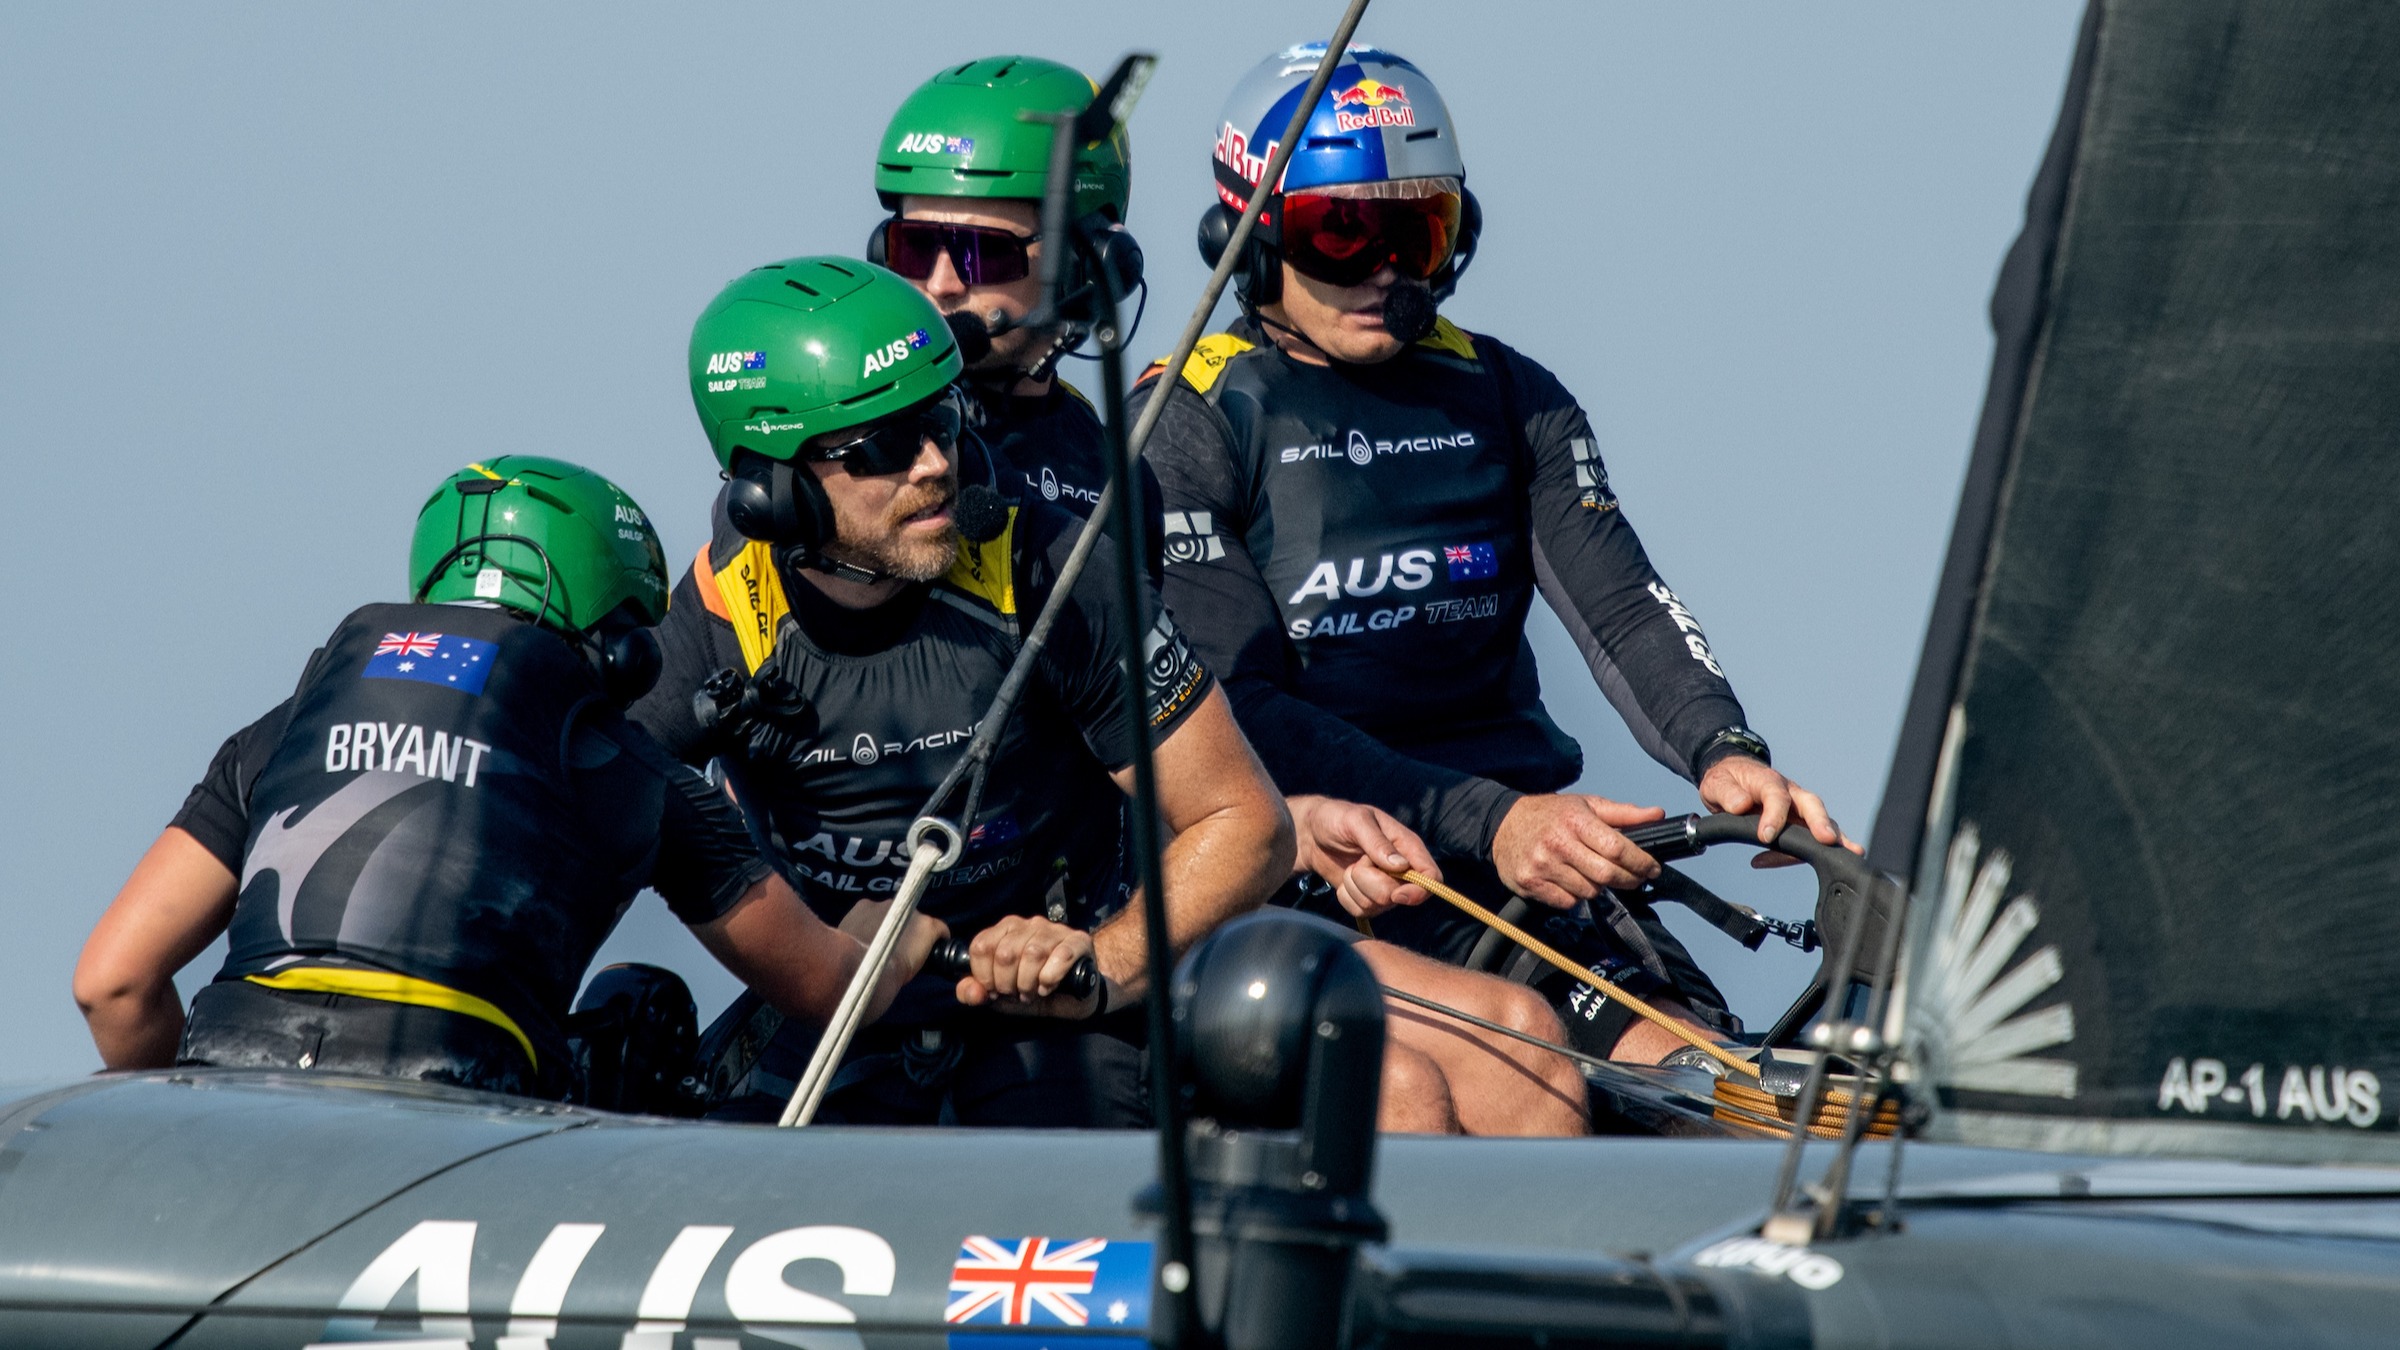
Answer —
908 954
864 920
1018 965
916 944
1739 785
1357 850
1563 847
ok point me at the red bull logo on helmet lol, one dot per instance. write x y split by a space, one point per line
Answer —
1378 104
1233 151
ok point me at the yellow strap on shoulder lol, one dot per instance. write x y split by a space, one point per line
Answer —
1081 397
1449 337
983 571
1207 361
752 598
386 987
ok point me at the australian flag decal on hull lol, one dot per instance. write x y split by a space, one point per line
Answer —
1004 1291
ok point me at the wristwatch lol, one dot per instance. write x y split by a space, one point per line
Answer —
1735 740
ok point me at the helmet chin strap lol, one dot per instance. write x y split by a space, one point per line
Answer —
1408 316
846 571
980 513
1259 316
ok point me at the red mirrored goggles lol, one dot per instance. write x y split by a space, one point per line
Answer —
1342 241
980 255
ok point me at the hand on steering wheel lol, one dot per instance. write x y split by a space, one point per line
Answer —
1558 848
1740 785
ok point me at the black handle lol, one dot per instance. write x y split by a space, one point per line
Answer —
1669 839
1680 837
949 959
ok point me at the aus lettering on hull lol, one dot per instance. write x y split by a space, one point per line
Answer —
427 1275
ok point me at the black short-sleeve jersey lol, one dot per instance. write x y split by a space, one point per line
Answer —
706 858
878 706
448 796
1055 447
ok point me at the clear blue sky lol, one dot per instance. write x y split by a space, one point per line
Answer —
268 272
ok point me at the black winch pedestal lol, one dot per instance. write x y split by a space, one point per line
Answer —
1281 1030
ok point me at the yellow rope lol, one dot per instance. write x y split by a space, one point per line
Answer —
1535 945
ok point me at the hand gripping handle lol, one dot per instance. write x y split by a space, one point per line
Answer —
949 958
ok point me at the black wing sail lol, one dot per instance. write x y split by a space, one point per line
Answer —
2149 782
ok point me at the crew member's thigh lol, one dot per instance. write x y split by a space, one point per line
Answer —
1055 1075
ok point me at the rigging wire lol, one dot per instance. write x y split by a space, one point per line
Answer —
1593 1061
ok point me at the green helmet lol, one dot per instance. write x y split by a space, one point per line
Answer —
959 135
809 345
599 547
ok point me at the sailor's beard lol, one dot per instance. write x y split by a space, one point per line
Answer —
882 546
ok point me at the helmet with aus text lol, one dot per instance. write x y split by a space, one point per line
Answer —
962 134
805 346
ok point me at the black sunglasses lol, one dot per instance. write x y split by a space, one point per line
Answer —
893 444
982 256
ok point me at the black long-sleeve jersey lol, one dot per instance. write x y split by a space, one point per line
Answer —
1354 550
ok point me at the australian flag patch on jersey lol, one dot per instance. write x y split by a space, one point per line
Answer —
453 662
1004 1291
1471 562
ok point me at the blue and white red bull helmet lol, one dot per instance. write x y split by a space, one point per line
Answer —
1379 121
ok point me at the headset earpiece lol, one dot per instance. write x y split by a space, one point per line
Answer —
1259 279
629 665
778 502
1115 253
878 243
1216 231
1262 264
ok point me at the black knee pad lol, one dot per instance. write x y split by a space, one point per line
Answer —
1595 1022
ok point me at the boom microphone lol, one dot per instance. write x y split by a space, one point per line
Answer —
949 960
980 513
973 335
1408 310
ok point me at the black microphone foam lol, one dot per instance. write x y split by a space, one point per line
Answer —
981 513
973 336
1408 310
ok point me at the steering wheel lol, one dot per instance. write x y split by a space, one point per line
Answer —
1855 903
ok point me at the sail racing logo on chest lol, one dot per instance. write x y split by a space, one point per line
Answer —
1360 449
865 751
